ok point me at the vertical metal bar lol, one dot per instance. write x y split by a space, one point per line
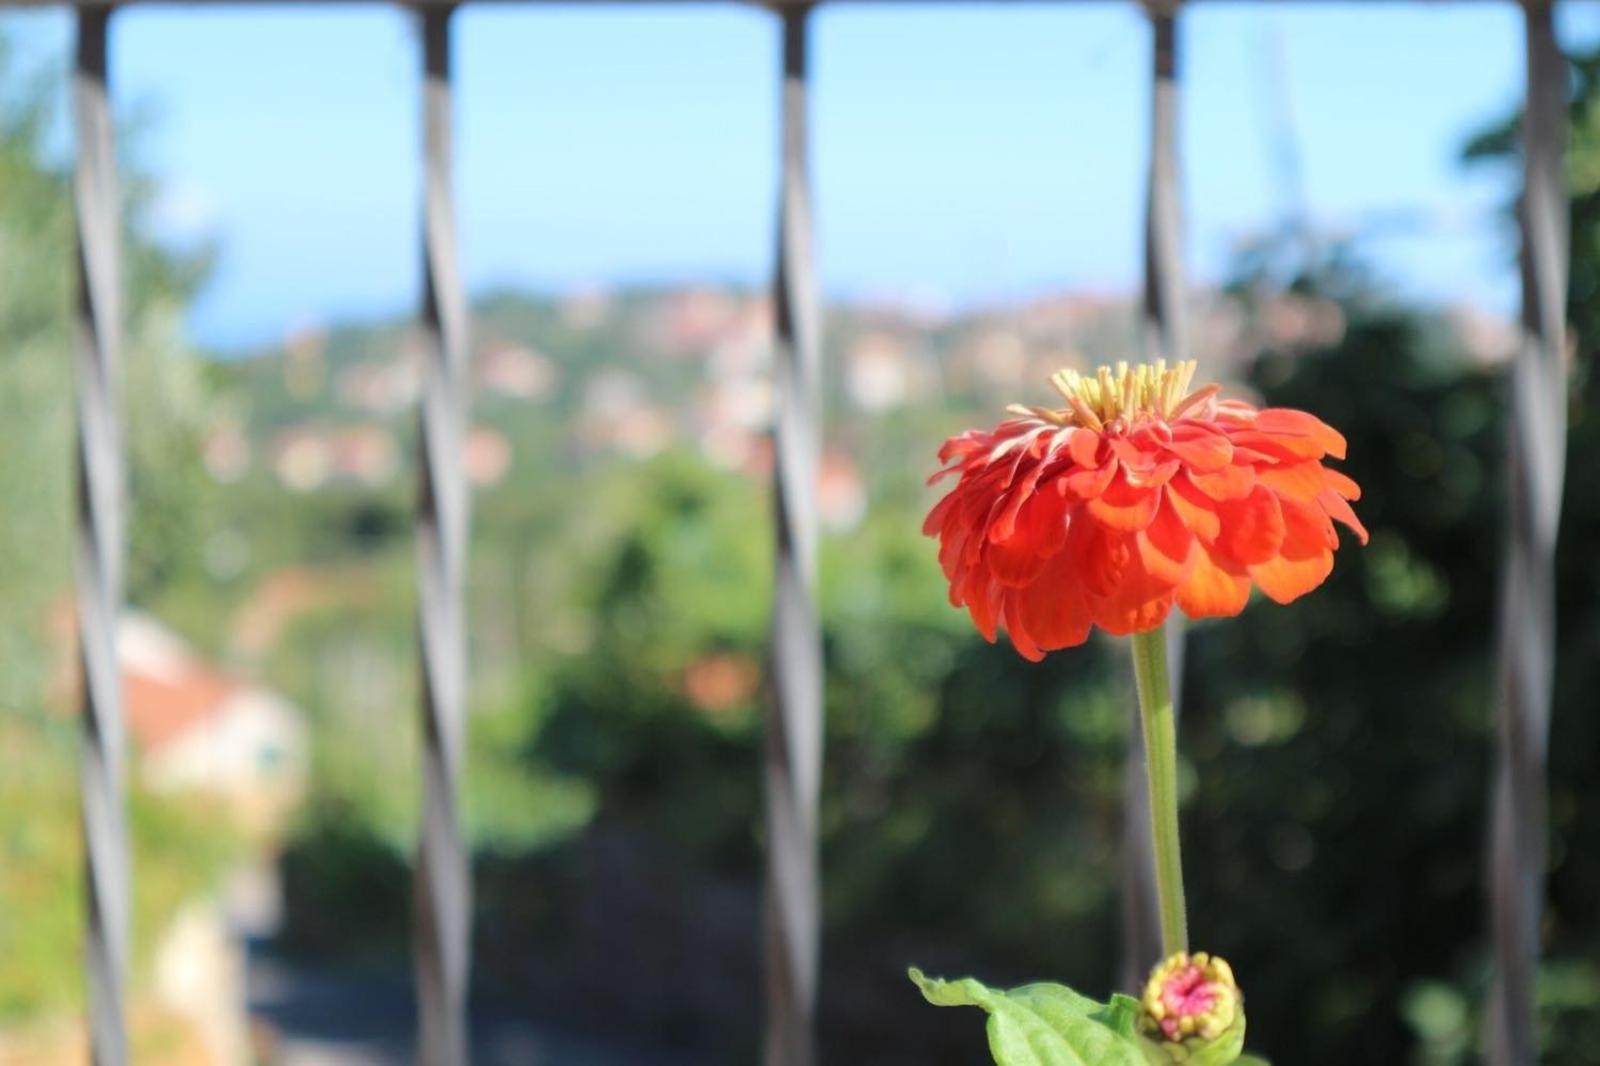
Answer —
443 881
1166 320
793 748
1166 336
1527 626
99 538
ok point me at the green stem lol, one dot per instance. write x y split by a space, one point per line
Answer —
1161 775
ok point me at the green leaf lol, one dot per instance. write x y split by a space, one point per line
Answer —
1121 1015
1046 1024
1252 1060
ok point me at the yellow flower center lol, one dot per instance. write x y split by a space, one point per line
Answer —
1121 393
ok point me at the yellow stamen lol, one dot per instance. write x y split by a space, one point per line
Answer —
1123 392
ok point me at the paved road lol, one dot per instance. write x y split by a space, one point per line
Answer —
346 1018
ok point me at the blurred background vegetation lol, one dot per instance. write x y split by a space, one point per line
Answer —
1335 752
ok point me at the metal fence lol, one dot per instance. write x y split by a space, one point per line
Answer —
792 758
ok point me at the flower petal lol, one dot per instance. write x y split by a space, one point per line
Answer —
984 607
1046 518
1052 609
1252 528
952 546
1038 533
1215 588
1286 580
1124 507
1057 523
1164 545
932 525
1315 526
1341 484
1306 557
1021 639
1099 557
1090 483
1339 510
1084 447
1282 447
1154 476
1250 456
1301 480
1286 420
1198 511
1228 483
1138 602
1019 495
1013 563
964 444
1131 454
1200 448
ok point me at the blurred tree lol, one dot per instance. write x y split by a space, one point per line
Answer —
178 851
1337 829
1335 750
163 399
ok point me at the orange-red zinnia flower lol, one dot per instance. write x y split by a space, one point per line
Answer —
1136 495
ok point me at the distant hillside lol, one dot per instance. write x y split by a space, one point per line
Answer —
635 371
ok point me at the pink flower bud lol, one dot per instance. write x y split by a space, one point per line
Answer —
1190 997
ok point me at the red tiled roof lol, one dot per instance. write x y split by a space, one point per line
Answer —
159 709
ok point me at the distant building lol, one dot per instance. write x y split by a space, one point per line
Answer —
1488 339
220 742
226 451
999 359
487 456
309 455
301 457
695 319
1302 322
516 373
878 372
381 386
728 446
841 494
585 308
366 455
729 416
198 729
619 415
744 346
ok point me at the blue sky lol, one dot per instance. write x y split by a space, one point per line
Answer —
962 154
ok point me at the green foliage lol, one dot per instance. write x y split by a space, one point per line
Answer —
1048 1024
514 807
1051 1025
179 852
357 882
1335 749
678 580
161 374
35 271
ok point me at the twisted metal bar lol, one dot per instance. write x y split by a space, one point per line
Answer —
1166 336
99 539
793 748
443 883
1527 626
